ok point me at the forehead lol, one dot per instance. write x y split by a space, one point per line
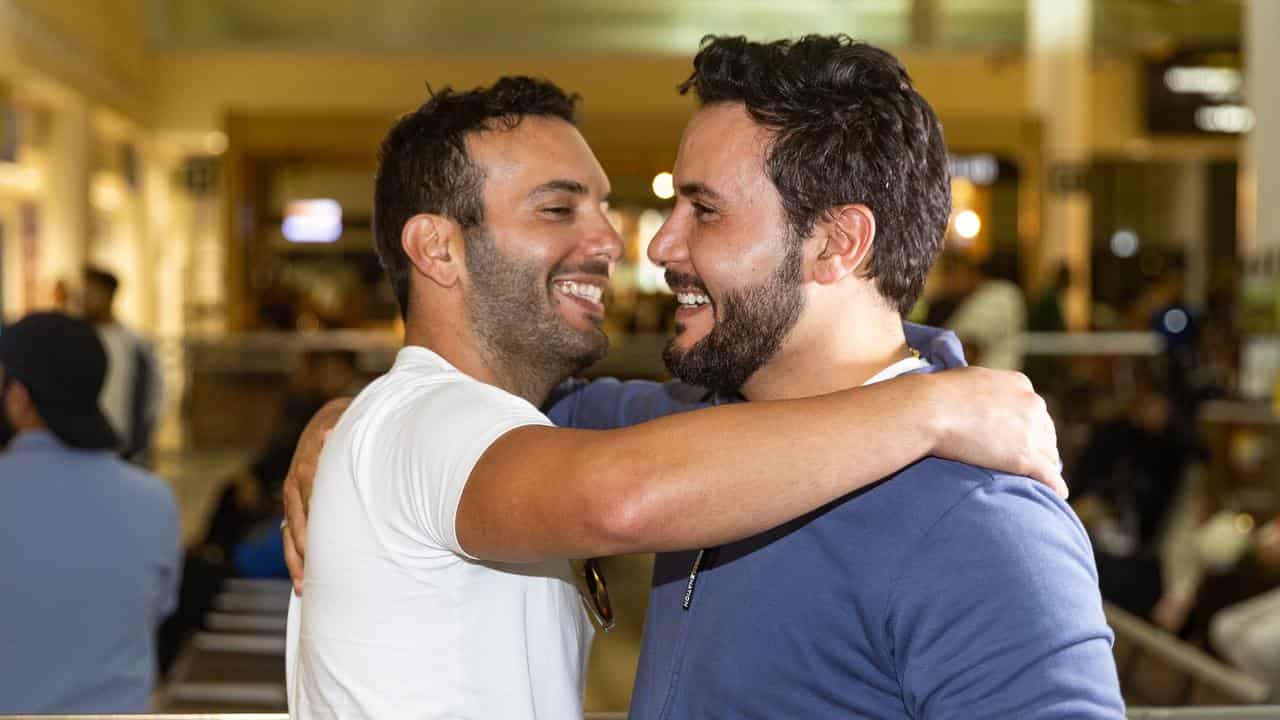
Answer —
537 150
723 148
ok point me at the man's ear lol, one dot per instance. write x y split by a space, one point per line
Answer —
849 232
434 246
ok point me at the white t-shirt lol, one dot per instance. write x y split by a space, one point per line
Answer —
116 398
396 621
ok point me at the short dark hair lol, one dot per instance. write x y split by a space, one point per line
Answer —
848 128
423 166
102 278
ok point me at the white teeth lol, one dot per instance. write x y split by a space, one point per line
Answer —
586 291
692 299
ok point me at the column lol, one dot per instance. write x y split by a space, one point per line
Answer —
1259 190
1188 226
1059 38
926 24
64 221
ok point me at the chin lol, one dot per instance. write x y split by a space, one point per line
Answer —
684 340
590 348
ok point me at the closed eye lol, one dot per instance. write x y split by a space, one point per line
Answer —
703 212
557 212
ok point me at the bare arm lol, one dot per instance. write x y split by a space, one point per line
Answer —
643 487
300 480
712 476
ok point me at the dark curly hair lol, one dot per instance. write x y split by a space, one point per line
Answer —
848 128
423 166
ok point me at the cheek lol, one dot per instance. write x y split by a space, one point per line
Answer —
734 263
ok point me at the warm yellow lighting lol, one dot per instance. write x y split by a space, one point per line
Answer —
215 143
20 177
1244 523
664 185
107 192
649 277
968 224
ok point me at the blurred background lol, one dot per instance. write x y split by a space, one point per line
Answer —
1115 234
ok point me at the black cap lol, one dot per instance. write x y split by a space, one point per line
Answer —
62 363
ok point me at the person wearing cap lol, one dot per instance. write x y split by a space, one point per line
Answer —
90 547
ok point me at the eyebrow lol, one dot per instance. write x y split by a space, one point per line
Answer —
697 188
569 186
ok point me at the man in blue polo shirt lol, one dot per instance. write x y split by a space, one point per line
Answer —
813 198
945 591
90 548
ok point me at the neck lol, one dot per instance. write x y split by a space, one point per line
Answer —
831 351
454 341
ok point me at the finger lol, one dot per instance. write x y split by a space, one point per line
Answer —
293 561
1047 472
295 513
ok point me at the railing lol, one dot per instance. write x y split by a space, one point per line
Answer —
1206 713
1196 667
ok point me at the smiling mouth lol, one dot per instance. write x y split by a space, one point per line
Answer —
593 294
692 299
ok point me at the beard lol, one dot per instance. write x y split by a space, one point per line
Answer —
754 323
510 308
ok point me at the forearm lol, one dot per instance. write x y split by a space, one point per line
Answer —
693 480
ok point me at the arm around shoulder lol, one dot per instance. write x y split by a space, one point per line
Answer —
688 480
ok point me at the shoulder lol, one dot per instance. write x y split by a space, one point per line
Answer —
436 415
430 393
456 395
121 334
997 603
146 488
965 501
997 531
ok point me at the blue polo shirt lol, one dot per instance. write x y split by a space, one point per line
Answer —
90 557
944 591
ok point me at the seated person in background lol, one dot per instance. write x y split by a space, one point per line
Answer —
992 316
90 546
253 497
1247 634
243 538
1125 484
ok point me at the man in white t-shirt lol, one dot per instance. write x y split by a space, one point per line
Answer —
446 505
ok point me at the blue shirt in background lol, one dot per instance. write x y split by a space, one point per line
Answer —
90 557
944 591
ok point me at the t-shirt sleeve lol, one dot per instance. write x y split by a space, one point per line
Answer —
438 445
997 613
